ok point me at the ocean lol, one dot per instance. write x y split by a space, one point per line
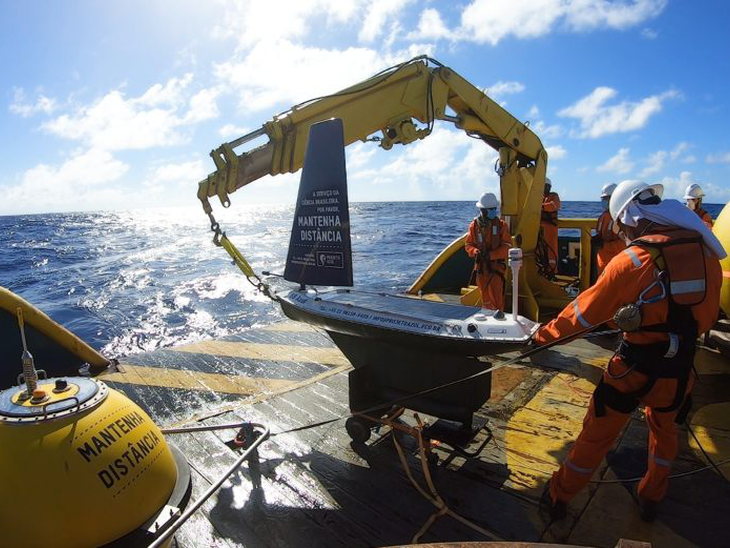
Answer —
132 281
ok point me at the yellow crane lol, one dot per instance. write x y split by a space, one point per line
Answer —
400 105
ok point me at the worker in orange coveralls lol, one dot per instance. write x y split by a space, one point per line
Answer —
663 291
549 225
488 242
611 244
694 194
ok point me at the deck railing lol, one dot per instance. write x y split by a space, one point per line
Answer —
585 226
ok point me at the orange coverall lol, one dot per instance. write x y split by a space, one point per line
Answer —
550 206
491 240
621 282
706 217
612 244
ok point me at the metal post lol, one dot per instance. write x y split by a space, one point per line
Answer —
515 262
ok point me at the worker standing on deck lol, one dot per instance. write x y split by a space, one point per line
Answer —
663 291
611 244
694 195
488 242
549 228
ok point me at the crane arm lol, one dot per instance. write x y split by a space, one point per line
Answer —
402 104
393 103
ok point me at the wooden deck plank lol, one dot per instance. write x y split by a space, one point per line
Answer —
324 356
316 488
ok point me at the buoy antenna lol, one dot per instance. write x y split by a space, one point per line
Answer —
30 375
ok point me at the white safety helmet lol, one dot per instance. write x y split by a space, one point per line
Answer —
487 201
693 192
626 191
607 190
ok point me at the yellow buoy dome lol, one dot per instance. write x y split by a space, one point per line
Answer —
80 468
721 229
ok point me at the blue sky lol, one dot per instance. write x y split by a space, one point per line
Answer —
116 106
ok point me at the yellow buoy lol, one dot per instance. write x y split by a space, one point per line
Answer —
81 466
721 229
712 427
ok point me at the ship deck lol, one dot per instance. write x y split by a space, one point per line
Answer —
315 487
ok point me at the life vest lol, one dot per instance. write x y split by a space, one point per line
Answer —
550 217
706 217
604 228
679 256
489 237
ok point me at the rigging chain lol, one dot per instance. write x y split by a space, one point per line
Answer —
221 240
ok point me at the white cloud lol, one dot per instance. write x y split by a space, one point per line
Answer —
691 159
203 106
359 155
251 22
184 174
620 163
655 163
584 15
153 119
679 149
22 107
263 78
544 131
81 182
501 88
534 112
556 152
598 119
445 165
231 131
674 187
377 16
718 158
490 21
649 34
430 27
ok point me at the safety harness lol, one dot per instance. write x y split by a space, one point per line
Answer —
679 257
489 237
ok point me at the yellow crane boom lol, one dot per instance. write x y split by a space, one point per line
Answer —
402 103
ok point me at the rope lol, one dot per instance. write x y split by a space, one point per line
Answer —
434 498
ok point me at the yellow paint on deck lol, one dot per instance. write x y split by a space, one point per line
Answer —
711 425
711 362
538 435
275 352
290 326
194 380
256 398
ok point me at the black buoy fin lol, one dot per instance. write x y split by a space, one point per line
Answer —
320 251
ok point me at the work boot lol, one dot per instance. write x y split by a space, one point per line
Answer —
647 508
557 510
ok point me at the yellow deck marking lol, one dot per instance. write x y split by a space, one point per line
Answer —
711 362
711 425
290 326
538 434
274 352
194 380
261 397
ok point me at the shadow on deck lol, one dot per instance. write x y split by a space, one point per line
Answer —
316 488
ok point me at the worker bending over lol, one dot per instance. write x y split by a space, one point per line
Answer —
694 195
549 224
663 291
488 242
610 243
